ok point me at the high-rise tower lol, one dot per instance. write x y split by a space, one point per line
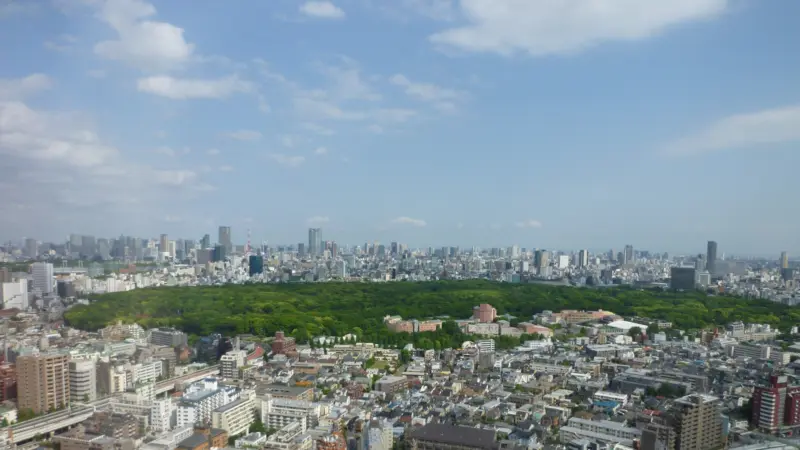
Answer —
711 257
315 241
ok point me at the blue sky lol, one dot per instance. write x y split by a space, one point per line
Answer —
543 123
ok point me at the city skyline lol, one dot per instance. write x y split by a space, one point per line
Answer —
480 127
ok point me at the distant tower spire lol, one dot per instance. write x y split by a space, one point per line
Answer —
247 249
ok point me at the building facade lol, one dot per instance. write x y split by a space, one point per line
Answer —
43 382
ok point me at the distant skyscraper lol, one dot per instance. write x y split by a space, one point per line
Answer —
163 244
583 258
711 257
628 255
31 248
315 241
784 260
700 263
225 239
205 242
43 277
256 264
541 259
301 249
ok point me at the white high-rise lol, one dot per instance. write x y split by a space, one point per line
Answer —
82 381
43 277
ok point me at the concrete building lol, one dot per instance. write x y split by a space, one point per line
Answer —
698 423
436 436
43 382
683 278
14 294
83 381
776 405
391 384
279 412
484 313
711 258
168 337
236 416
161 412
230 364
378 436
43 277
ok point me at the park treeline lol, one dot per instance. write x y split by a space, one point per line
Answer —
335 309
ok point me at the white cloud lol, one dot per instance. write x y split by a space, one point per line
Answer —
225 168
403 220
442 98
322 9
20 88
545 27
772 126
166 151
97 73
530 223
321 151
377 129
183 89
142 43
212 152
323 109
244 135
62 43
58 162
394 115
287 141
287 160
349 84
433 9
318 220
173 219
318 129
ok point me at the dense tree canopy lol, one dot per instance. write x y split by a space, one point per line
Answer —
313 309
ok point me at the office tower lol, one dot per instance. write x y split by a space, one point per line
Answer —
225 239
168 337
220 253
82 381
256 265
163 244
205 242
541 259
334 249
315 241
700 263
301 249
394 248
698 424
43 382
711 258
31 248
627 257
75 243
43 277
583 258
776 405
5 275
784 260
88 247
683 278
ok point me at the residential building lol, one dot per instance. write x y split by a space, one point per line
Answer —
391 384
230 364
484 313
776 405
698 423
43 382
283 345
82 381
236 416
378 436
8 382
168 337
279 412
436 436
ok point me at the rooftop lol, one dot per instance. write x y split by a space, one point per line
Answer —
456 435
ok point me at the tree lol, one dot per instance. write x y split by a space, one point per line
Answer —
257 425
652 329
635 332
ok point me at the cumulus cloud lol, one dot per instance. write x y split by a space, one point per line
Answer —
318 220
757 129
212 152
57 163
21 88
244 135
287 160
530 223
141 42
318 129
321 151
404 220
442 98
548 27
184 89
322 10
226 168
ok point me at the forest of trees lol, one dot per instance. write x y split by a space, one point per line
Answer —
335 309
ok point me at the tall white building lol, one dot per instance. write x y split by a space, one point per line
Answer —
161 413
379 436
14 294
200 400
82 381
43 277
230 363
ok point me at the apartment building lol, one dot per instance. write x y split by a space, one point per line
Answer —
698 424
391 384
82 381
231 362
279 412
43 382
235 417
602 430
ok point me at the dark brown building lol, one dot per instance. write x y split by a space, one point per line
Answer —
8 382
283 345
437 436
